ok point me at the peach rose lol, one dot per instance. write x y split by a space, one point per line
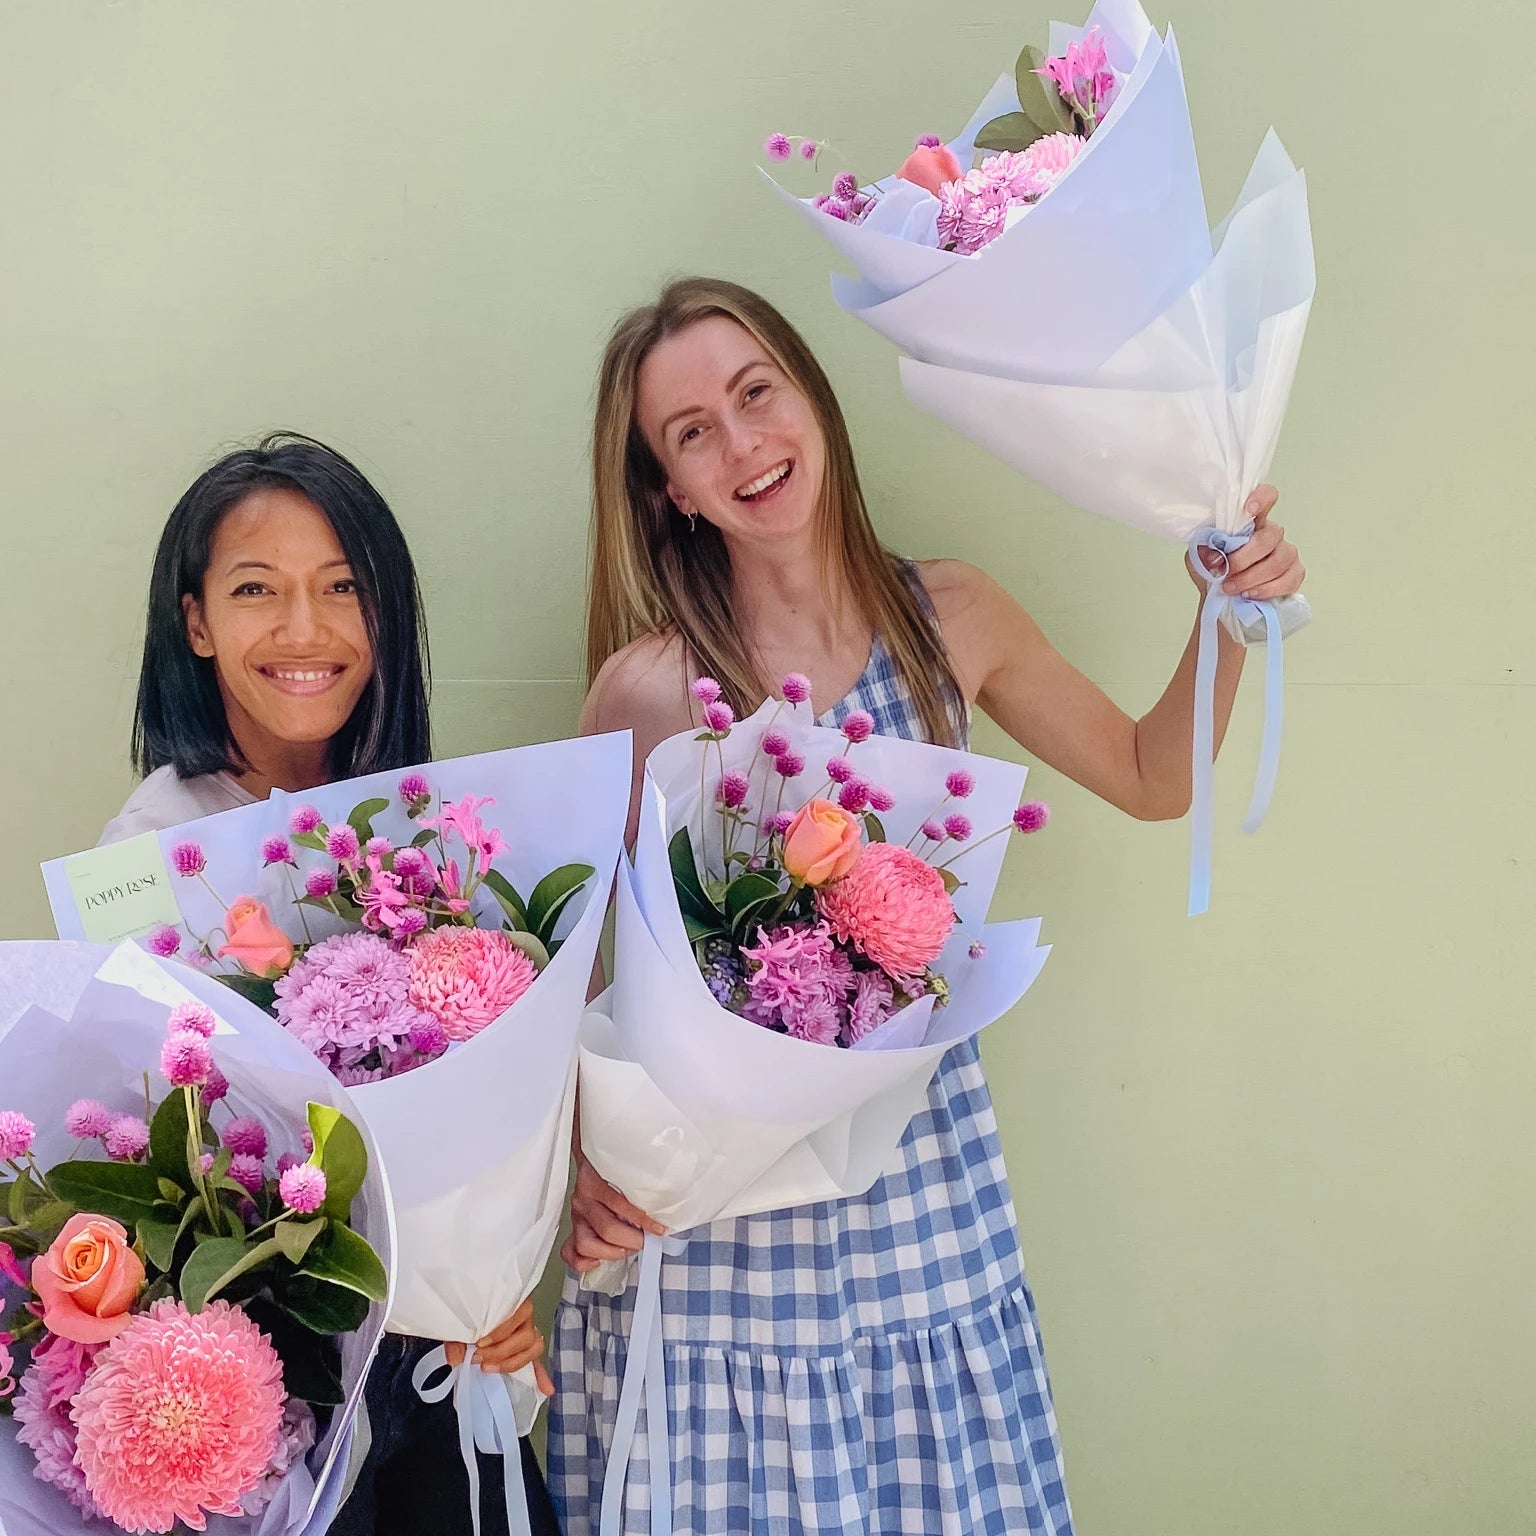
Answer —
931 168
254 939
88 1279
821 843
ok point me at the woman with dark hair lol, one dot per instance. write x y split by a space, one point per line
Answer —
285 647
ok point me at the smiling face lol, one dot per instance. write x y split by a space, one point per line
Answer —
281 620
739 443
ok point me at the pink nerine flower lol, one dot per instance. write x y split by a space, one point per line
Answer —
187 860
194 1015
303 1188
86 1119
383 900
164 941
7 1365
179 1417
42 1408
893 907
16 1133
797 981
467 977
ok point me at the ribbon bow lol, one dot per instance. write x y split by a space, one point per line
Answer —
1246 611
486 1423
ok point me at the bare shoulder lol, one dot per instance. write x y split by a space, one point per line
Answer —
642 688
957 589
982 624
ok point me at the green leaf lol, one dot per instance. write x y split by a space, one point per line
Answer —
531 947
194 1212
261 990
685 874
345 1259
340 1154
18 1200
295 1237
171 1192
126 1192
1012 131
511 903
697 930
552 894
361 819
1038 96
311 840
422 838
221 1161
745 891
321 1306
159 1240
952 881
212 1264
168 1144
157 1290
47 1220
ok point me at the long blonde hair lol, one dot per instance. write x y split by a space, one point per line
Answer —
649 576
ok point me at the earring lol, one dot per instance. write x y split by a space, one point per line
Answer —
693 521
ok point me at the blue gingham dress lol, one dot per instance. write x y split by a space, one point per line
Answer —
868 1365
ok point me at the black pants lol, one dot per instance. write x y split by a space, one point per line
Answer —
413 1482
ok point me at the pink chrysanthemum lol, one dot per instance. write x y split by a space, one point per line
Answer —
934 832
869 1007
86 1119
790 765
414 786
187 859
881 799
247 1172
1031 816
245 1133
734 789
467 977
320 883
958 826
705 689
42 1407
186 1060
126 1138
775 744
719 717
164 941
858 725
277 850
350 1075
16 1133
304 820
893 907
194 1015
303 1188
341 844
217 1086
796 688
777 146
179 1417
839 770
960 783
854 796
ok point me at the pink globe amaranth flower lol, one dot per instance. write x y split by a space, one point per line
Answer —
307 1141
779 823
341 844
845 185
892 907
302 1188
277 850
216 1088
775 744
854 796
777 146
87 1119
205 1163
820 201
195 1015
42 1406
126 1138
977 949
305 819
881 799
858 725
719 717
809 149
705 689
839 770
733 790
796 688
187 859
186 1060
409 922
789 765
429 1038
379 847
320 883
1031 816
958 826
414 786
165 941
16 1133
467 977
285 1162
928 141
934 832
961 783
245 1133
411 863
179 1417
247 1172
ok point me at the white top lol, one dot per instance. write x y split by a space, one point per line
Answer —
164 800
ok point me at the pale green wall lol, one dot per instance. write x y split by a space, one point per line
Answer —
1272 1167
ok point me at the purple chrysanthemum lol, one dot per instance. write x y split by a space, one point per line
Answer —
958 827
304 820
16 1133
86 1119
719 717
1031 816
165 941
187 859
194 1015
320 883
881 799
775 744
960 783
341 844
277 850
186 1060
796 688
790 765
245 1133
303 1188
870 1006
126 1138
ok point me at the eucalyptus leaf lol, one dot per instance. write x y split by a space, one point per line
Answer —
1013 131
1038 96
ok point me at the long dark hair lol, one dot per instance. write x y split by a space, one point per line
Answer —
180 716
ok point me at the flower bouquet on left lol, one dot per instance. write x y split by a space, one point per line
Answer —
195 1264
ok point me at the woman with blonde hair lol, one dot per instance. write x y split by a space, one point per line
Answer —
867 1364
